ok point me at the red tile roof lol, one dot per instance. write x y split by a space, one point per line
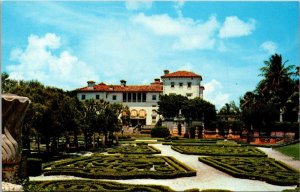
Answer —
119 88
181 74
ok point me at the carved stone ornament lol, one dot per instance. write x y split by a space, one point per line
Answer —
13 112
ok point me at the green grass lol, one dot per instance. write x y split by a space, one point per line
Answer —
290 150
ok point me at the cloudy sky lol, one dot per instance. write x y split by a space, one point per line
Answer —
65 44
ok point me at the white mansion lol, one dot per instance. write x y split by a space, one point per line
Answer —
142 99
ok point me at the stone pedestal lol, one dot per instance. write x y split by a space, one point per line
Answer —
13 112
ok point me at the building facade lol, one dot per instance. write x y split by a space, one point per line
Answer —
142 99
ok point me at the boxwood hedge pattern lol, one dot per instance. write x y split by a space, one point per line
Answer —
103 186
219 150
92 185
99 166
132 149
259 168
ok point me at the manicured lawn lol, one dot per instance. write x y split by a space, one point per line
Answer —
99 166
258 168
290 150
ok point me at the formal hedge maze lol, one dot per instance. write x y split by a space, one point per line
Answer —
216 150
262 168
99 166
91 185
135 149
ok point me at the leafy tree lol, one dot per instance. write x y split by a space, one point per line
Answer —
276 92
169 105
6 83
192 109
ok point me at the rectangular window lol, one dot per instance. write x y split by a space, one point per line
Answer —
180 84
172 84
153 105
144 97
114 97
189 94
153 119
189 84
97 96
124 97
153 97
82 97
129 97
134 97
139 97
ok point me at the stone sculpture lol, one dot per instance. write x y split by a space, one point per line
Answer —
13 112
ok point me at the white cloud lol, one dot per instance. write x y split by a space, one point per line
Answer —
136 5
234 27
39 62
189 34
213 93
269 46
178 6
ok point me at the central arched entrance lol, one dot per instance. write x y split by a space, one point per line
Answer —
138 117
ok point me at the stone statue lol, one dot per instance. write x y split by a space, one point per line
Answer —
13 112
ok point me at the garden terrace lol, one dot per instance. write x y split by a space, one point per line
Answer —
99 166
263 168
135 149
216 150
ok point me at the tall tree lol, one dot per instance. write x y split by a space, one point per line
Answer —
169 105
278 84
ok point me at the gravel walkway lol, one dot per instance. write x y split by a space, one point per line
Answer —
281 157
207 177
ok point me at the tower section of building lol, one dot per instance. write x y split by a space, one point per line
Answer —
183 83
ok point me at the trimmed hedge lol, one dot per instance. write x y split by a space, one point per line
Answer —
215 150
140 148
34 166
263 168
160 132
99 166
91 185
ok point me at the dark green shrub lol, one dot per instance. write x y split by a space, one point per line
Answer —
99 166
142 143
88 185
286 126
192 132
262 168
34 166
192 190
161 132
218 150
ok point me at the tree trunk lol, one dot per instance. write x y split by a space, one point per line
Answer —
47 140
105 138
85 140
38 143
93 140
76 139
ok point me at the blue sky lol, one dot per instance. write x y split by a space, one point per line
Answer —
65 44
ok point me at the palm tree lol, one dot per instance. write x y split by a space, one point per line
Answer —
277 76
277 82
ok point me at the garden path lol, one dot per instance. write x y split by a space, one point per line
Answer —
207 177
281 157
